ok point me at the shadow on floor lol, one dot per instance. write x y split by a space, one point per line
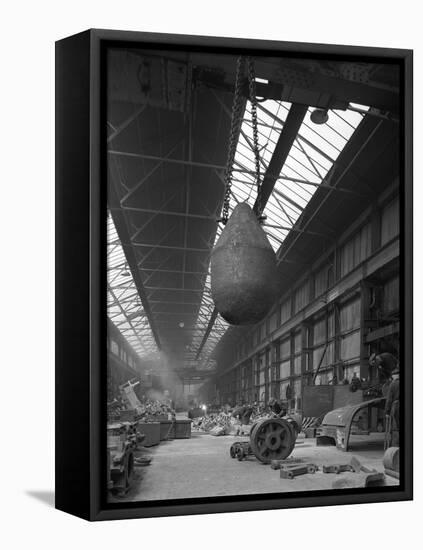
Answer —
357 444
46 497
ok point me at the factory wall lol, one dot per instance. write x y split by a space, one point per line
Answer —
343 309
123 363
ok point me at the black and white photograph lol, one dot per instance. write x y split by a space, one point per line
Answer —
211 274
254 273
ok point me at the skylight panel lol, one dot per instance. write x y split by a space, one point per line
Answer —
124 307
313 153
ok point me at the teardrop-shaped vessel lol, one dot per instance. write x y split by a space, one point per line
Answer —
244 277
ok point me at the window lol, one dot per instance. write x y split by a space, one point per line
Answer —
285 311
297 364
356 250
285 369
323 279
283 387
302 297
391 295
273 322
349 316
350 346
297 341
320 331
350 370
390 222
285 348
323 355
296 387
262 369
114 347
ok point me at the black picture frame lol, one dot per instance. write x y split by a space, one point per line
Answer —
80 276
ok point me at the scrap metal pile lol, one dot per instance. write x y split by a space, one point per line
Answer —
216 423
147 410
226 423
150 409
127 406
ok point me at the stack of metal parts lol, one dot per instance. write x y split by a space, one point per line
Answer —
355 475
122 439
216 424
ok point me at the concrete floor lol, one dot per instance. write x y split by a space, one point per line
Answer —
201 467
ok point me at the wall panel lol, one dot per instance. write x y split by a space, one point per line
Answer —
301 296
390 222
391 296
356 250
285 311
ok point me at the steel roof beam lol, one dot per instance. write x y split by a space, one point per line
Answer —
175 303
174 271
174 288
129 154
207 333
168 247
186 313
169 213
148 175
286 140
126 123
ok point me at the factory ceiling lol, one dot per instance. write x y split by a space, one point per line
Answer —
168 118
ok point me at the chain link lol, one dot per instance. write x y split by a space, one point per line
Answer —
234 133
233 139
253 102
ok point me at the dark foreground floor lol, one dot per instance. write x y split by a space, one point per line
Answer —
201 467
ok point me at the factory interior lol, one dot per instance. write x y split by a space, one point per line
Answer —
253 273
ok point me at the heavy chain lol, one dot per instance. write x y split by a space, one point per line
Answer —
234 133
233 138
253 102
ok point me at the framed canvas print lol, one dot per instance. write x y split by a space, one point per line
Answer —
234 274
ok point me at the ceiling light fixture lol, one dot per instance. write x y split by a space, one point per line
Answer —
319 116
126 272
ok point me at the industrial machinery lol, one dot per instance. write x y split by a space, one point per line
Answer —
240 450
273 438
122 440
270 439
360 419
294 470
